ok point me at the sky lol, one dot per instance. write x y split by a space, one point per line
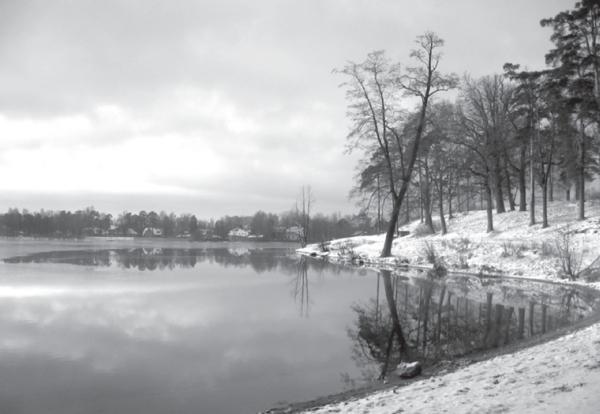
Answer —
214 107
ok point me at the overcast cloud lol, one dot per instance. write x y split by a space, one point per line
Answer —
213 107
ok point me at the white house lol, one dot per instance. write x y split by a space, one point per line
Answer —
152 232
238 234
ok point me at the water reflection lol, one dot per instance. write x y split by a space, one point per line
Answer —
301 287
160 258
433 319
227 329
212 330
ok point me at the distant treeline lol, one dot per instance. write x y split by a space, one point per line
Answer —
261 225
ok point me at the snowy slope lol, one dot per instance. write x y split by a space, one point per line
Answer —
514 248
560 376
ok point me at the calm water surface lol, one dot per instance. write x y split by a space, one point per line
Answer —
235 329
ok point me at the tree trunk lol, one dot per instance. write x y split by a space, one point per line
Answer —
531 185
568 194
407 208
545 203
459 206
441 206
468 194
497 182
420 193
522 180
581 215
488 197
500 208
428 218
450 217
389 235
427 201
378 205
511 199
522 193
551 183
581 202
481 195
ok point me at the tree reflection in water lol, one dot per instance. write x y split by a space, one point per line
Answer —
431 319
160 258
305 266
300 287
410 316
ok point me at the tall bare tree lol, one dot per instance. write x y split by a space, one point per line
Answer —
374 91
306 202
485 106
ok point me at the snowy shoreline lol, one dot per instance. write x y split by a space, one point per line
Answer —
534 376
513 249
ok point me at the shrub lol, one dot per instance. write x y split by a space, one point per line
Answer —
347 251
547 249
510 249
463 248
568 255
506 248
430 253
544 248
324 246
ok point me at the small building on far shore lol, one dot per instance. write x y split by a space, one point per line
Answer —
152 232
238 234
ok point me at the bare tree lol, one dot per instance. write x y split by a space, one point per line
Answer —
374 91
306 202
485 108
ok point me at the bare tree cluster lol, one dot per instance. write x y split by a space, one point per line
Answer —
507 140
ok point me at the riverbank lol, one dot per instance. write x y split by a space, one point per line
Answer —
557 375
513 249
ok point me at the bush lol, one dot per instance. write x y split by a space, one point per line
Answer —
463 247
568 255
324 246
430 253
509 249
546 249
347 251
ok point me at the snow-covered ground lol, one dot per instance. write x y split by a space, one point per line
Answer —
514 248
562 375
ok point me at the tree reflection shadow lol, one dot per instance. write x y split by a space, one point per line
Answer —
432 319
160 258
300 290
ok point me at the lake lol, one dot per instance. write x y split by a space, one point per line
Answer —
159 327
